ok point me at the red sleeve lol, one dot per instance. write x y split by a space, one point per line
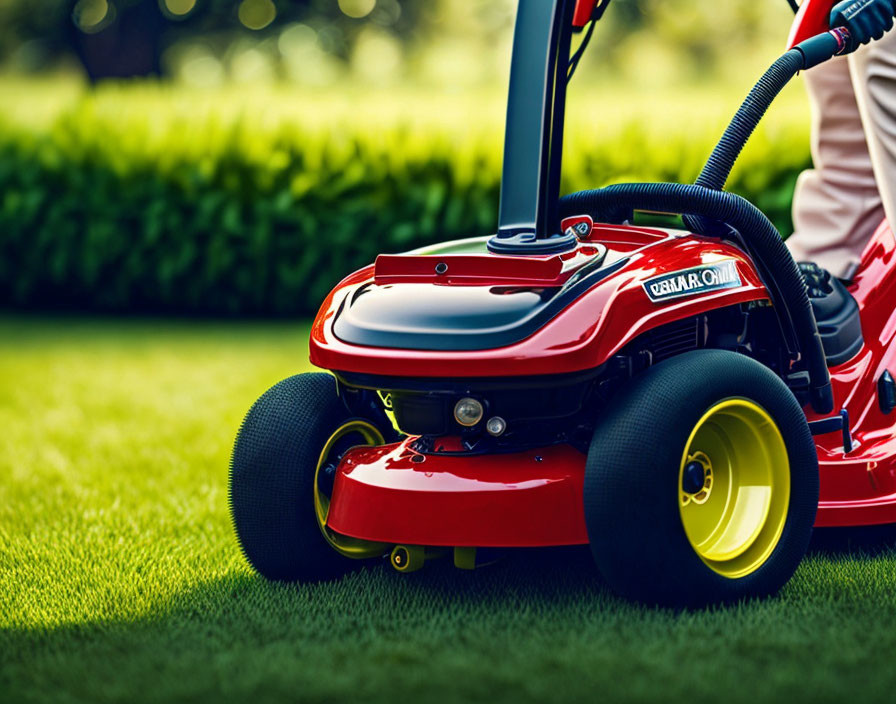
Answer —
812 19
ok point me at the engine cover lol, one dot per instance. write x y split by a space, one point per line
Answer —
422 316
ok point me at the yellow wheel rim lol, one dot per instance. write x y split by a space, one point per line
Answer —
734 487
349 547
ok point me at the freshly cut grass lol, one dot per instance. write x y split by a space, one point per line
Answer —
120 580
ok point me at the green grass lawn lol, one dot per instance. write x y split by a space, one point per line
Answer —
120 580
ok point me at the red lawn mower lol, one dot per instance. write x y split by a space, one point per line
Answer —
688 402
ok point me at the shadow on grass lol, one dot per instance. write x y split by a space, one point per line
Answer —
240 635
538 626
850 542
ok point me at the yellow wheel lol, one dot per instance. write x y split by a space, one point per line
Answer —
351 434
701 484
735 479
281 477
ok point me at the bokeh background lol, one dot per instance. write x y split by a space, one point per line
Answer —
235 157
181 183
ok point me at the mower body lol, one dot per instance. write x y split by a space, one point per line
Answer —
560 322
643 294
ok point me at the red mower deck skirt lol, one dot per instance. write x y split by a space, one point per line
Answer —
393 494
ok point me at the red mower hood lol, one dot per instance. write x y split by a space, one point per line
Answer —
481 314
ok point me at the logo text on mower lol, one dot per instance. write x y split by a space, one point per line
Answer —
688 282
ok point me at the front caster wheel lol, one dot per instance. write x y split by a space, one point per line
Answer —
701 483
281 480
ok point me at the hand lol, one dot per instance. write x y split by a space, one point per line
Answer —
865 19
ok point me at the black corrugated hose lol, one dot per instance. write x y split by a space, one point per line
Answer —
718 167
803 56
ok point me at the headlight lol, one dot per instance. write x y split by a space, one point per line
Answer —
468 412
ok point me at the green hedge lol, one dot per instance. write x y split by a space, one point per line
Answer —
129 202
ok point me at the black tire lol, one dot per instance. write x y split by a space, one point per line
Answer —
272 480
632 481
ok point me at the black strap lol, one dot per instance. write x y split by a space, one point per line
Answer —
575 58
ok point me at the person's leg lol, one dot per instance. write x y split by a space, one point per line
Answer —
873 72
837 206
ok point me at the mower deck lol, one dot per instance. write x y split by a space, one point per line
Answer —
393 494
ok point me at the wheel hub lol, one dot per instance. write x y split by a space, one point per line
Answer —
696 479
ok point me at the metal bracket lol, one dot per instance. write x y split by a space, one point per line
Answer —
834 424
886 393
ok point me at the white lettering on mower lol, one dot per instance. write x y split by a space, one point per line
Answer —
701 279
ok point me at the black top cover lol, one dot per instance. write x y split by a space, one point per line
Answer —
421 316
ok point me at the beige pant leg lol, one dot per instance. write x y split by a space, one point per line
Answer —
837 206
873 72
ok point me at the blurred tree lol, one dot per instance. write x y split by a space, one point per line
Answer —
119 38
116 38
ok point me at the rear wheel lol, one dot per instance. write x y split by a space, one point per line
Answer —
701 483
281 479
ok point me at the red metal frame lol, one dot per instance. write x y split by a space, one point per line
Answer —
584 10
860 488
482 269
813 18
